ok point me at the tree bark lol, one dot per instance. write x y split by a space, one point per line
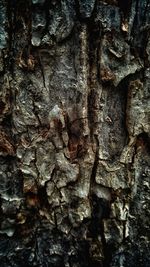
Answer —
74 133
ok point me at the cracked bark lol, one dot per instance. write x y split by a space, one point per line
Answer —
74 133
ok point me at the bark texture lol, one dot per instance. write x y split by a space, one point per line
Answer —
74 133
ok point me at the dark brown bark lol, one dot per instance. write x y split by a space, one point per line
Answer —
74 134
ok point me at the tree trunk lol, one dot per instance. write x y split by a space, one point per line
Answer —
74 134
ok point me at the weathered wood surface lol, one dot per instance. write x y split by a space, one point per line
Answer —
74 134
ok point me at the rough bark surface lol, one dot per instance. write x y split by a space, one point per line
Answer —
74 133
